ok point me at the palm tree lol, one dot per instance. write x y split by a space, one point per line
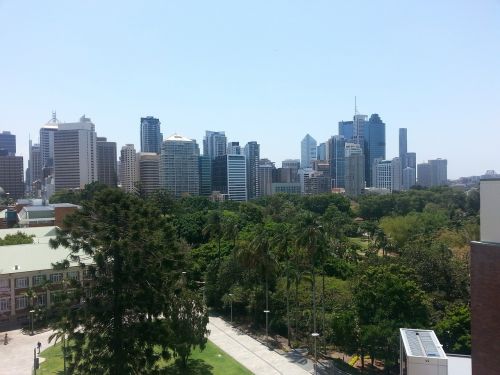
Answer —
62 328
282 242
310 237
257 255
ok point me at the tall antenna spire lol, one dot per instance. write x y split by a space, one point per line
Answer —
54 118
355 106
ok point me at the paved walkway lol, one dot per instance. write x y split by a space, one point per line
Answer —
250 353
16 358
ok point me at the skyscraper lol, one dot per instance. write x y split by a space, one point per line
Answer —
265 172
234 148
382 174
179 166
47 145
403 147
307 151
75 155
205 173
106 162
11 174
358 129
34 166
336 158
409 178
151 137
149 172
374 138
424 175
229 176
354 169
214 144
129 175
397 175
439 172
8 142
321 151
252 157
346 130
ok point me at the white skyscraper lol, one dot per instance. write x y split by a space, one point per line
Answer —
47 145
75 154
129 175
308 149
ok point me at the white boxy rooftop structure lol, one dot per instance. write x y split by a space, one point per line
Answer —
421 353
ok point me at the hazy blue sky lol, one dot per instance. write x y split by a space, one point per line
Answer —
269 71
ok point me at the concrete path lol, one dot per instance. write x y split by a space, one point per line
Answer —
16 358
249 352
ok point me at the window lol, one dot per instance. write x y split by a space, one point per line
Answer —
22 282
5 304
21 302
56 277
74 275
38 280
41 299
56 297
5 283
87 275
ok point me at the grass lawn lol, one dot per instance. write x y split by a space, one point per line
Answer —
210 361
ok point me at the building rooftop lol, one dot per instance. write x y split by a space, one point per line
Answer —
179 138
421 343
38 232
31 257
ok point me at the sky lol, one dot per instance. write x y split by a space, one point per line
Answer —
270 71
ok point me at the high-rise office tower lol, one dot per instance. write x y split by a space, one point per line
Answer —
354 169
358 129
409 178
8 142
289 172
374 138
106 162
234 148
47 132
149 172
291 163
129 176
346 130
411 160
336 158
397 175
382 174
205 173
321 151
214 144
439 172
403 146
229 176
75 154
424 175
179 166
34 166
252 157
11 174
307 151
265 172
151 137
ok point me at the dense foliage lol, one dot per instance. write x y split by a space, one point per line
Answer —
355 272
18 238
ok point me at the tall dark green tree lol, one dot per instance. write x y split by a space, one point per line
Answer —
136 263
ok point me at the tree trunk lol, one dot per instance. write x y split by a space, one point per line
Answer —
288 303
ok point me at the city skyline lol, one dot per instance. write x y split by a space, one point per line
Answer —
281 70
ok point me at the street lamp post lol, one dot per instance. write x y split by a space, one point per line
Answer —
231 302
267 323
315 336
32 312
